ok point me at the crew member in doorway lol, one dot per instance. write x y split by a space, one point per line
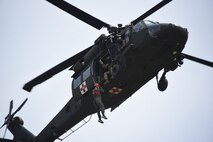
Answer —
98 101
108 68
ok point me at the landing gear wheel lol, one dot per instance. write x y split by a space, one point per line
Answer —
162 84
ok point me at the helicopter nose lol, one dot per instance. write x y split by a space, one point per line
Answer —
171 40
173 34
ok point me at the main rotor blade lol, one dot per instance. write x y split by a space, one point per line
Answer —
53 71
198 60
19 108
11 107
151 11
78 13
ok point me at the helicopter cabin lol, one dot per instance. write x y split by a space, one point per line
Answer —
90 68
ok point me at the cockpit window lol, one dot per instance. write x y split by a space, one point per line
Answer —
147 22
153 28
127 36
139 26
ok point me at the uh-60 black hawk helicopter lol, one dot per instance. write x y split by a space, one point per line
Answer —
135 54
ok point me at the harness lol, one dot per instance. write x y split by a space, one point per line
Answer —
96 91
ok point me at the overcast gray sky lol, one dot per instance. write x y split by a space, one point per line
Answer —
35 35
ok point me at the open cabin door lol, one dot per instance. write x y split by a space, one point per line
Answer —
98 67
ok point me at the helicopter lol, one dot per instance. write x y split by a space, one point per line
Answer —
123 63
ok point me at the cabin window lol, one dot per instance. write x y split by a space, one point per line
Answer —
77 82
86 73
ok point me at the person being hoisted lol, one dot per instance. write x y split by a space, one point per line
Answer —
98 101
